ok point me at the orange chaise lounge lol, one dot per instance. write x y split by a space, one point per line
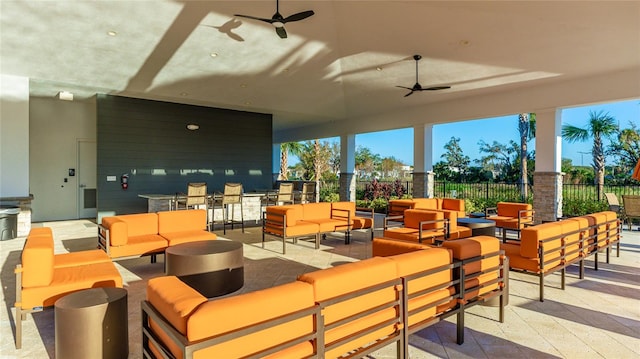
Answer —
43 277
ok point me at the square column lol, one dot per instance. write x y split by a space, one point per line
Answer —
547 198
347 167
423 176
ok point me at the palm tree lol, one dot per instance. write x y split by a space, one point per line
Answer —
285 148
527 130
600 125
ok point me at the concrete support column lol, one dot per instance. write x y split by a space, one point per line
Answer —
347 168
275 163
423 176
347 187
547 198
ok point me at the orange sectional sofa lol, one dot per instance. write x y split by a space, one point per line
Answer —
511 216
550 247
135 235
43 277
314 220
349 310
397 207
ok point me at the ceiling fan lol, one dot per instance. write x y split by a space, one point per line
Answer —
278 20
417 86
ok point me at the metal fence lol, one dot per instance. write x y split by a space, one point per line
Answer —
500 191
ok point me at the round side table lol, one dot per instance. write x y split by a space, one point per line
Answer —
92 323
213 268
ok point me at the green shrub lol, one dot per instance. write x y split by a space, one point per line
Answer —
580 207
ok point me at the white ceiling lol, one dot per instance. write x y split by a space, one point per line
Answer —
326 71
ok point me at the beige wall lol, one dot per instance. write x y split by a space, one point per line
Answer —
14 136
55 128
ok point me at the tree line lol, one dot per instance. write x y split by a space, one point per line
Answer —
510 162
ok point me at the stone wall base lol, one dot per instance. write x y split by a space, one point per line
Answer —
347 187
547 197
423 184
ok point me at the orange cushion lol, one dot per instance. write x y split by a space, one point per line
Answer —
232 313
175 300
181 221
413 217
311 211
174 238
472 247
531 236
348 206
347 278
427 203
453 204
70 279
382 247
511 209
292 212
118 231
80 258
37 261
140 224
140 245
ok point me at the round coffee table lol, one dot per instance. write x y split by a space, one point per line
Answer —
213 268
479 226
92 323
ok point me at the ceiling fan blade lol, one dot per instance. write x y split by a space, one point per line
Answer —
255 18
281 32
299 16
405 87
410 93
436 88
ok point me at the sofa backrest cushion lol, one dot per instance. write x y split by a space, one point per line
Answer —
453 204
118 230
232 313
418 261
181 221
37 261
383 247
293 213
348 206
530 237
321 210
353 278
335 281
41 231
511 209
175 300
138 224
427 203
467 248
413 217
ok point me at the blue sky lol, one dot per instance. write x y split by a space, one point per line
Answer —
399 143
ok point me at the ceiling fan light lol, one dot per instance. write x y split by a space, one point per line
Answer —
193 126
277 24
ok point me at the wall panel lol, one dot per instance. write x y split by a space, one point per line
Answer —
149 141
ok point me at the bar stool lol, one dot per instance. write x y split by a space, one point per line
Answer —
230 198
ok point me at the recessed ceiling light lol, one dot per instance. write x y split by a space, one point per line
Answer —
378 68
243 85
192 126
112 33
213 54
247 102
